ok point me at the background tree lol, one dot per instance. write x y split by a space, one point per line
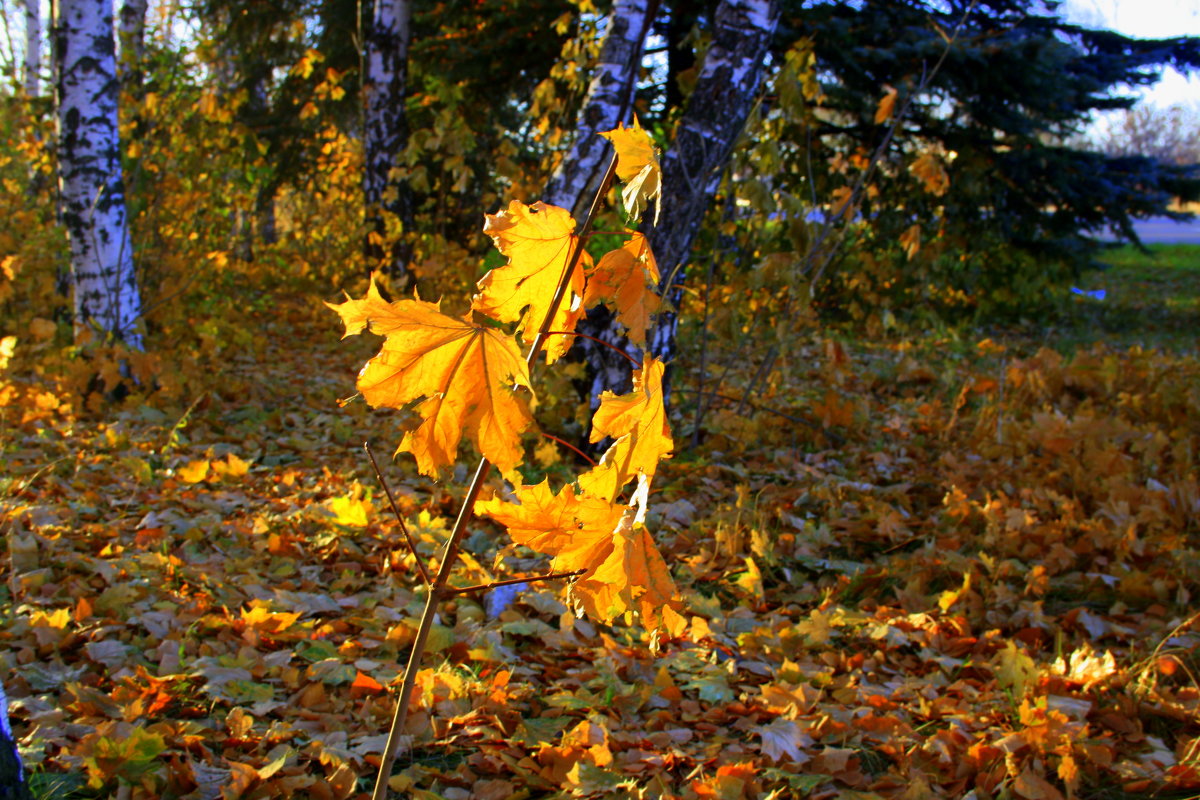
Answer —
1171 135
92 192
978 159
33 47
385 136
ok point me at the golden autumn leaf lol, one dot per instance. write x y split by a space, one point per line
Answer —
910 240
624 572
638 422
929 171
628 278
194 471
538 241
464 375
887 105
637 167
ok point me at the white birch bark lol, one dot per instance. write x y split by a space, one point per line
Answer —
33 47
609 97
90 185
385 86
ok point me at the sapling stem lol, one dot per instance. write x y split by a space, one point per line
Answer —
438 590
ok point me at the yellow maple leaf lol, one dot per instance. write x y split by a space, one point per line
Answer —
628 278
538 241
638 422
623 570
637 167
464 375
194 472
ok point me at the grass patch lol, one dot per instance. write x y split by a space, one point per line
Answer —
1151 299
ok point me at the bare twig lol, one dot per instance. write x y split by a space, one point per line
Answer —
412 546
570 446
612 347
552 576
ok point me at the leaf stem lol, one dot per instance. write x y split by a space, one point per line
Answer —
570 446
610 346
412 546
552 576
438 590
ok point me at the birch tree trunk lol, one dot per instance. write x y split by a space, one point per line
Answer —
132 34
725 92
385 86
608 100
90 185
33 47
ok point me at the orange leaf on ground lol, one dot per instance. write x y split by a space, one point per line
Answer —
465 373
538 241
365 682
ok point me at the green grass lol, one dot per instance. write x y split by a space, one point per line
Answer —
1152 300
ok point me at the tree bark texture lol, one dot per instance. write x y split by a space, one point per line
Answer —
716 112
725 93
132 34
607 103
385 85
92 205
33 47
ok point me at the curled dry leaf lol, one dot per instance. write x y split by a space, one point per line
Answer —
624 570
637 167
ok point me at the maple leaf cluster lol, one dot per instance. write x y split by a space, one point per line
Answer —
468 377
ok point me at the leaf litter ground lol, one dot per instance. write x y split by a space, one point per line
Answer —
972 571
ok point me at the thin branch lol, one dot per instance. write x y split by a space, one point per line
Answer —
570 446
612 347
412 546
553 576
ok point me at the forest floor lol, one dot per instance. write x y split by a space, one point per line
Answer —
950 566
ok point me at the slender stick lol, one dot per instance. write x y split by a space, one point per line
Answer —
597 340
439 591
412 546
553 576
570 446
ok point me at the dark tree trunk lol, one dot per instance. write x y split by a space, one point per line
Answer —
725 92
385 87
